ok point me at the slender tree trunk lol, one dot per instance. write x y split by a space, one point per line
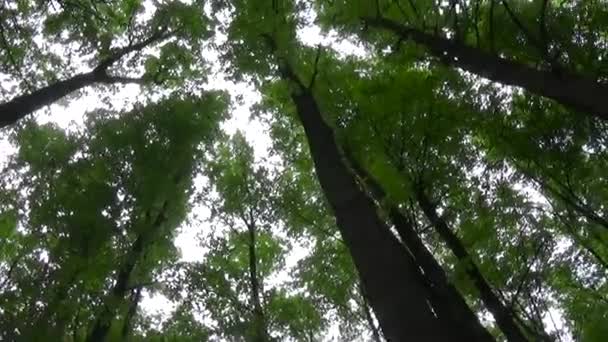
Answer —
126 328
447 300
505 318
117 295
392 281
580 93
259 321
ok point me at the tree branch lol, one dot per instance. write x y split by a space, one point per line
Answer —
316 68
121 52
524 30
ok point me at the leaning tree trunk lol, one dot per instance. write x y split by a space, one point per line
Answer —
20 106
104 319
506 319
447 301
570 89
393 282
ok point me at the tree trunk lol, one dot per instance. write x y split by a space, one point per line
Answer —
572 90
117 295
368 316
391 279
19 107
504 316
126 328
259 321
447 300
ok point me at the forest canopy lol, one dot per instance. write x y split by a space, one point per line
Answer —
303 170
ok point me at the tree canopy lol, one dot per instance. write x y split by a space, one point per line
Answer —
445 180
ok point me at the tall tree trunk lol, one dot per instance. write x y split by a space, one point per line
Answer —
259 321
135 298
368 316
580 93
117 295
20 106
505 318
447 300
392 280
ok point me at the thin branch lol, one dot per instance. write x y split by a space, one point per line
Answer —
582 241
316 67
11 269
476 25
125 80
121 52
543 25
526 273
142 285
491 27
523 28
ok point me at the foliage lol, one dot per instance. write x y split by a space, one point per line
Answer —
89 214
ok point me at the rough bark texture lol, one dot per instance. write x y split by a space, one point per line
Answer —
580 93
392 281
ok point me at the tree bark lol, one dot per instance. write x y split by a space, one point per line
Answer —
368 316
504 316
391 279
580 93
447 300
19 107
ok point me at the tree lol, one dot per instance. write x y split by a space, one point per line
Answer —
105 26
101 210
403 195
363 231
553 64
233 284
